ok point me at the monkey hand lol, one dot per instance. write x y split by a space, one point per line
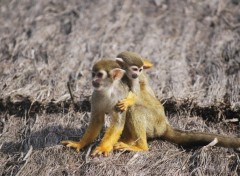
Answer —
105 150
73 144
127 102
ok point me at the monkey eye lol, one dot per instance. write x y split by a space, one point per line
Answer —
93 74
140 69
99 75
134 69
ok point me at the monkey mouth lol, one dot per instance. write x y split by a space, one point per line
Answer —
134 76
96 84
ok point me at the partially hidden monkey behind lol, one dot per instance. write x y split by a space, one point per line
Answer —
108 90
146 119
135 78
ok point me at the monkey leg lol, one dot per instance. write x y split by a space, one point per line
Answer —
110 138
111 135
126 136
130 145
90 135
140 144
134 134
132 140
127 102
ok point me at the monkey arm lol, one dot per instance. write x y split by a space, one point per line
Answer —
127 102
111 135
91 133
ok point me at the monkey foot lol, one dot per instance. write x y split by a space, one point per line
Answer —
127 102
102 150
123 146
72 144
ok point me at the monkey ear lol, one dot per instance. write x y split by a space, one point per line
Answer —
117 73
120 61
147 64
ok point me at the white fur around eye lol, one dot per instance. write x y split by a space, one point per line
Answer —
104 73
134 68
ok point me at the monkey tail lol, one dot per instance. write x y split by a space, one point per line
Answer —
191 139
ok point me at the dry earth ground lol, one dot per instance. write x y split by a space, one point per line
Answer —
195 48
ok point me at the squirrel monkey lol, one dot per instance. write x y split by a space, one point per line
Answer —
141 93
134 77
146 119
108 90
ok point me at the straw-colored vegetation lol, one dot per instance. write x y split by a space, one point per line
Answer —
195 48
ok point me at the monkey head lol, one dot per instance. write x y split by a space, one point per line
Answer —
105 73
132 63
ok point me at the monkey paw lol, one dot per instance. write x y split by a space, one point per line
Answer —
122 105
72 144
121 146
124 146
102 150
127 102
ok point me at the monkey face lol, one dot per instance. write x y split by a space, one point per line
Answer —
103 80
99 79
134 71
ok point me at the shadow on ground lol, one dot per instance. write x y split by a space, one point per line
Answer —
47 137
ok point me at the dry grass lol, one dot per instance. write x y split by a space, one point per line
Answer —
194 45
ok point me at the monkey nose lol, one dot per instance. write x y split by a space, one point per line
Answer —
95 84
134 76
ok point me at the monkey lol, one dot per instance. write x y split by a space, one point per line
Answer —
108 90
134 77
137 81
144 122
146 119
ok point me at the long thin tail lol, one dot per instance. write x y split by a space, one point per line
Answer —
190 139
